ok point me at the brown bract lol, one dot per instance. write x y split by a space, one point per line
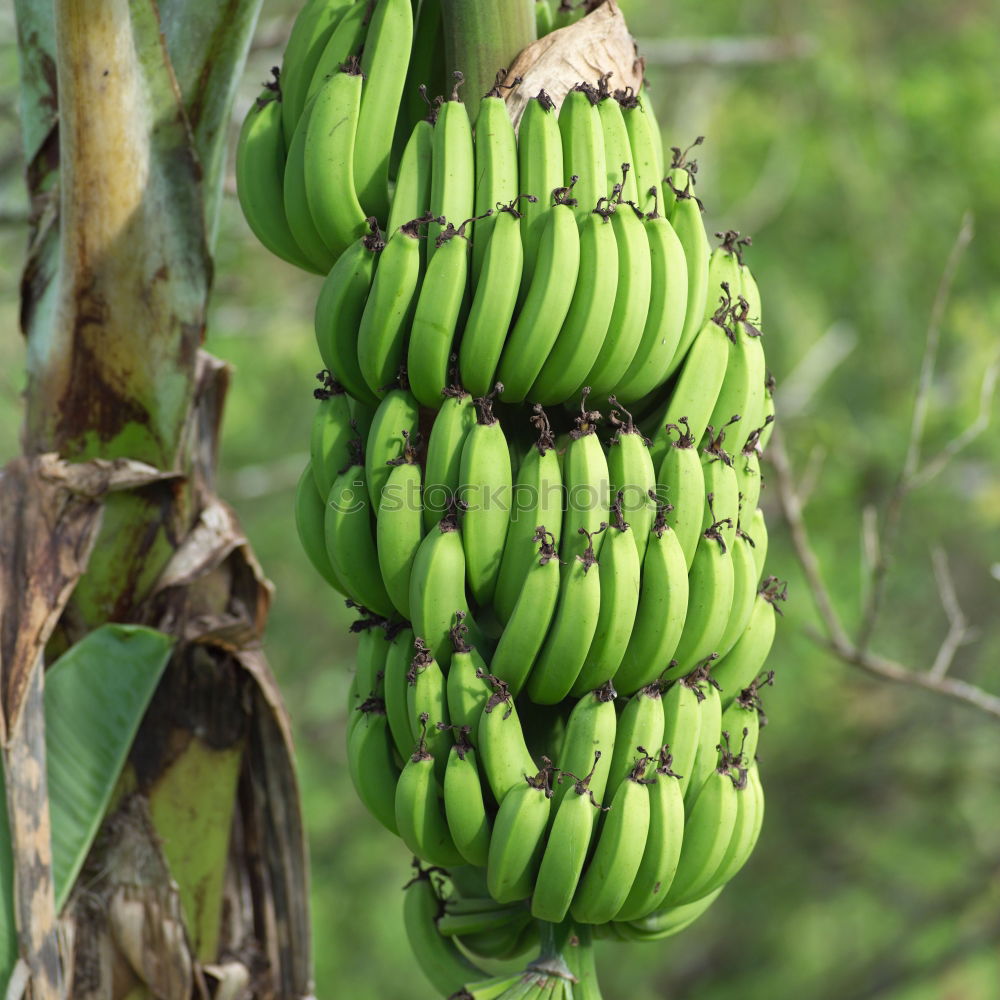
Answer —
597 44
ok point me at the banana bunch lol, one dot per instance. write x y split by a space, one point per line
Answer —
534 472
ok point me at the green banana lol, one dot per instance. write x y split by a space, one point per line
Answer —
496 169
583 147
551 285
646 154
384 63
588 320
682 726
369 663
425 75
371 763
427 706
339 308
667 308
540 171
620 574
412 196
394 428
350 542
749 820
724 280
748 476
442 294
709 731
503 754
493 917
710 599
344 43
260 166
758 532
681 482
744 592
665 922
722 488
518 841
453 175
526 628
572 630
396 687
566 849
587 482
663 843
437 589
310 511
468 688
617 146
440 959
632 473
451 427
399 527
662 611
590 729
745 660
609 877
328 161
494 298
464 807
769 411
295 199
701 376
632 299
707 835
685 217
486 478
741 721
502 943
543 18
640 727
389 308
536 501
420 817
314 24
330 433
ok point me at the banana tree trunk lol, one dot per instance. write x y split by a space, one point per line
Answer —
186 866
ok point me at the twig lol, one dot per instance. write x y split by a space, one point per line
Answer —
911 464
726 51
836 638
959 633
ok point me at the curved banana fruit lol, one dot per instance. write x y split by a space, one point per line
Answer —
617 145
427 707
500 741
518 841
609 877
372 765
680 482
393 430
442 295
590 728
662 611
744 592
540 172
399 528
442 962
665 922
722 488
260 166
706 757
453 176
344 43
552 282
412 196
464 807
452 424
339 308
310 510
328 161
350 543
587 482
663 843
468 687
580 128
496 172
633 474
647 157
640 728
682 726
745 660
486 479
526 628
330 434
620 573
632 299
589 317
572 630
536 503
685 217
396 686
389 308
384 63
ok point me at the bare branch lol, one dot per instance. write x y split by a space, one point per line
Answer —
911 464
959 633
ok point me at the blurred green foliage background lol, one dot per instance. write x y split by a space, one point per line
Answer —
851 160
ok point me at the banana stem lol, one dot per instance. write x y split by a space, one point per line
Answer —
483 37
584 966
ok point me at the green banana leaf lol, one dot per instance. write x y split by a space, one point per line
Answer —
96 694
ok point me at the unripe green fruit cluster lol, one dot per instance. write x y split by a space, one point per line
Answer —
535 471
